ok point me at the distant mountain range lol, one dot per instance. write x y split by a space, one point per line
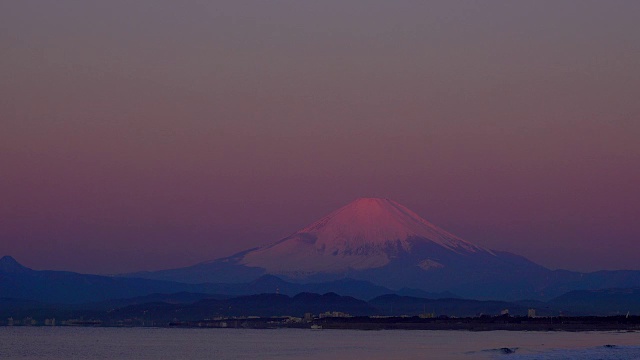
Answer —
26 292
17 281
163 308
597 302
385 243
62 287
373 256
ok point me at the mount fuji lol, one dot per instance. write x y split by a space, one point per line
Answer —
365 234
385 243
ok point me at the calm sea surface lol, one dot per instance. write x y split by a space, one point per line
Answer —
157 343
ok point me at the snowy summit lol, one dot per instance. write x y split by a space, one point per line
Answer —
382 242
366 233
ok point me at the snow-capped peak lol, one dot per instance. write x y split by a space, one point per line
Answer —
376 221
366 233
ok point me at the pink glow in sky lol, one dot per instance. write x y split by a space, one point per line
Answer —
154 134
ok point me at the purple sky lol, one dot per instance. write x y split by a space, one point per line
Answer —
141 135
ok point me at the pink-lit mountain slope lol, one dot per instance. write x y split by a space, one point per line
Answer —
383 242
365 234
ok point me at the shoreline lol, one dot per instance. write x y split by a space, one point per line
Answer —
475 324
573 324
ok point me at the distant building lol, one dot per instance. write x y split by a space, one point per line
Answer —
335 314
504 312
293 320
531 313
308 317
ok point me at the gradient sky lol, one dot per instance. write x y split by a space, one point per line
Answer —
142 135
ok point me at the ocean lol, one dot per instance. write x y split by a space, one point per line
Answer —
55 343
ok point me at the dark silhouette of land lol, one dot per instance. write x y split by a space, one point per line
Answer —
30 297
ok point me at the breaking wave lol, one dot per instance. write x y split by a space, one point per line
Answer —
605 352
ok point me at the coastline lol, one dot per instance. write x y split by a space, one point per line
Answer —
575 324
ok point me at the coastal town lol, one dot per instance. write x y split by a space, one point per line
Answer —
339 320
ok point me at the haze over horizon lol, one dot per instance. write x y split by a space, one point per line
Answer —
158 134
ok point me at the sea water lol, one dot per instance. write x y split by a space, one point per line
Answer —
163 343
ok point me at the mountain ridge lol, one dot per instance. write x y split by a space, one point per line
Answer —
10 265
382 241
66 287
366 233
